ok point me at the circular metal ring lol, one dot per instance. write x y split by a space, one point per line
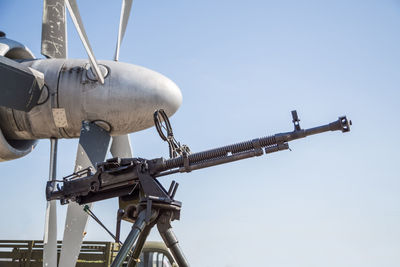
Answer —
158 123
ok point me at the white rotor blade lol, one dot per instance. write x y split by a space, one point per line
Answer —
54 35
93 146
121 147
50 226
76 18
74 231
123 22
50 235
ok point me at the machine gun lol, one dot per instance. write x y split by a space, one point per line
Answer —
137 178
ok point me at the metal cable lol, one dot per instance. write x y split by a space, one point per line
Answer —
94 217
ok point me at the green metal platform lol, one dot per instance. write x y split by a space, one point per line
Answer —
24 253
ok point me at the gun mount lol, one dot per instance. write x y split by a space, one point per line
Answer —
137 177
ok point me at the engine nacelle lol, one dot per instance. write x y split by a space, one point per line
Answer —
13 49
13 149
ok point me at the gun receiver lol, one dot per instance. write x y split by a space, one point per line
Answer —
128 176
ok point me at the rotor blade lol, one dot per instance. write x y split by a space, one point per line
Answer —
121 147
21 86
76 19
54 36
123 22
93 146
50 235
50 227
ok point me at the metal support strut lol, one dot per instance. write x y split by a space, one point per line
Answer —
50 231
169 238
134 234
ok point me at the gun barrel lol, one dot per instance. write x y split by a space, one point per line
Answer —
238 151
342 124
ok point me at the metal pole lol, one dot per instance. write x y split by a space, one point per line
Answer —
50 231
53 158
137 229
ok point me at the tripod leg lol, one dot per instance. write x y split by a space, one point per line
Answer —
170 240
140 243
137 229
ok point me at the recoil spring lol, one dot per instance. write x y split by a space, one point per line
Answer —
221 151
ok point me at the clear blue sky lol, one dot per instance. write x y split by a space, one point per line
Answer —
242 67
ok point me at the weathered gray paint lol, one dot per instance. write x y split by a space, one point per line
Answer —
17 148
54 35
124 103
93 146
14 50
21 86
76 19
